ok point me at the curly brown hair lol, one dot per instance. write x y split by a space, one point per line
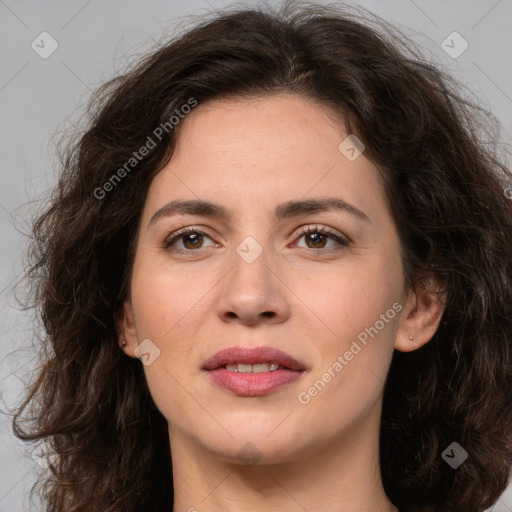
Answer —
444 181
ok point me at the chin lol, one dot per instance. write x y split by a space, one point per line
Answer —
261 446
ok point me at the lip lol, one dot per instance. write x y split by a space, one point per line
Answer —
252 384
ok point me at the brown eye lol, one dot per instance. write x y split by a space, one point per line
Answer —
190 239
317 238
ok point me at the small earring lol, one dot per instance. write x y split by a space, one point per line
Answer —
411 338
123 344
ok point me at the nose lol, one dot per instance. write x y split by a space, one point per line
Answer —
253 293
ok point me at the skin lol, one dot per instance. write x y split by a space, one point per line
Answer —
249 156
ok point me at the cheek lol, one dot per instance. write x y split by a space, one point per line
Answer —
359 308
169 308
347 298
167 300
351 366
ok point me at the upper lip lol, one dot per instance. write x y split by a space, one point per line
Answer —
252 355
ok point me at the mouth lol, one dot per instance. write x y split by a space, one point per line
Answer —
252 371
252 360
254 368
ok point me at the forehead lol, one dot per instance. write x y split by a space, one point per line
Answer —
280 122
261 151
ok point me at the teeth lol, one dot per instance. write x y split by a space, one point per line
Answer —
253 368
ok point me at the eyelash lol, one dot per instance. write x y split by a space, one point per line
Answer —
306 231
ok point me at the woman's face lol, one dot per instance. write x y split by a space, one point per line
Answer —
251 278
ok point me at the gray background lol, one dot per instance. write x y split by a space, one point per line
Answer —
39 97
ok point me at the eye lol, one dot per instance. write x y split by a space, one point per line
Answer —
193 239
318 238
190 238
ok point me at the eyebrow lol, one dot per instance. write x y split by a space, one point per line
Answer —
282 211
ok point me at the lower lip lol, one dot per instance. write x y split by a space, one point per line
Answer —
253 384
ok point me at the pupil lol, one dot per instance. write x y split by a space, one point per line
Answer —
194 243
316 238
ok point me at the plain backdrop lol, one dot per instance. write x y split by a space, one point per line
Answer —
42 96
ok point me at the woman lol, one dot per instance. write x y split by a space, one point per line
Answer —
281 253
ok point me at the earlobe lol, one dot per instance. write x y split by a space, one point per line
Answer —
126 330
421 316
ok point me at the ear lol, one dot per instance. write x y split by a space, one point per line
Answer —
126 330
422 314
